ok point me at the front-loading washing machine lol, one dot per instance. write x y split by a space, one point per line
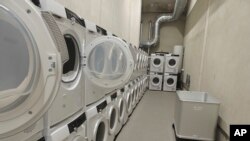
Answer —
30 71
71 129
145 83
155 82
121 104
111 112
70 97
128 99
109 66
157 62
141 88
171 63
138 89
123 93
133 94
97 123
170 81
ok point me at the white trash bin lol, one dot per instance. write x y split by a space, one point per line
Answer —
196 115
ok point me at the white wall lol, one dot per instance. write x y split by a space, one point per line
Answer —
121 17
217 56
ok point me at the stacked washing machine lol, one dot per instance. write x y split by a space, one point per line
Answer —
170 72
164 68
156 71
67 80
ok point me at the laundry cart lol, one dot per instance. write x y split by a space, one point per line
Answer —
196 115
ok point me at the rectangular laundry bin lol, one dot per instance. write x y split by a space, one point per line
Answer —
196 115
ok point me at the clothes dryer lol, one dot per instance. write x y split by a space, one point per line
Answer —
121 104
97 124
112 114
109 66
128 98
70 98
31 67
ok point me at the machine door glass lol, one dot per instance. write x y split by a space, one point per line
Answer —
28 72
109 61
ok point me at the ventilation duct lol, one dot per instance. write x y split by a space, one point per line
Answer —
178 10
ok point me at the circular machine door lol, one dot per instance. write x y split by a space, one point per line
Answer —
99 129
109 62
156 81
156 61
172 62
129 101
71 68
112 112
170 81
30 68
121 107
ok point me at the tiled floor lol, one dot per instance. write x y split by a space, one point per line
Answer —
152 119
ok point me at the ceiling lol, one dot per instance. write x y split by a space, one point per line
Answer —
149 6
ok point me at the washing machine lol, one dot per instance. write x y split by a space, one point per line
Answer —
128 98
30 73
133 94
124 94
97 124
71 129
157 62
121 104
145 83
109 66
141 88
170 81
138 90
111 112
155 82
171 63
70 98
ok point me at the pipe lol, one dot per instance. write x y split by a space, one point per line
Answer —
178 10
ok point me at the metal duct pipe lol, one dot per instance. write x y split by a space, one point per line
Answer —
178 10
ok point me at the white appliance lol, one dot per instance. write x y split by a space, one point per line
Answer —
30 71
137 97
109 66
155 81
128 99
157 62
70 98
170 81
171 63
121 104
133 94
141 88
97 124
71 129
112 114
124 94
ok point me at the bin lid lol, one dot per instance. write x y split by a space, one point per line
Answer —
196 96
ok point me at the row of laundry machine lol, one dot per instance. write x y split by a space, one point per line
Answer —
164 69
63 78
